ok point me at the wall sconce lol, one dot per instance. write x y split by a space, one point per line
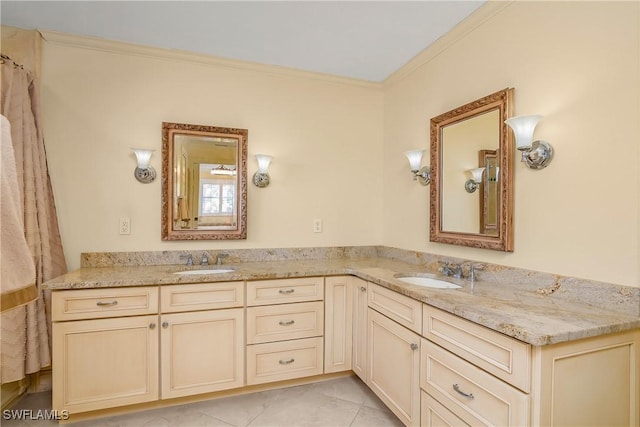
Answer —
535 154
261 177
422 175
144 172
474 182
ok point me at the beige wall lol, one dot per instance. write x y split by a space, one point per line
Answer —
576 63
99 100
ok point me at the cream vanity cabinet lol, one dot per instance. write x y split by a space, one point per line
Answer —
471 375
393 341
201 338
105 348
285 329
338 321
359 328
120 346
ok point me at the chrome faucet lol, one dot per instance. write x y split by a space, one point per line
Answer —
205 259
451 269
189 258
219 258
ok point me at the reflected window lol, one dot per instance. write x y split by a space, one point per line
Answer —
216 198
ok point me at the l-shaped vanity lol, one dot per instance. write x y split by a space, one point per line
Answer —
487 353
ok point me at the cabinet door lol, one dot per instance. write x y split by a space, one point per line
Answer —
202 352
359 290
105 363
589 382
337 324
394 363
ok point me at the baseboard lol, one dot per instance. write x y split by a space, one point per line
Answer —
11 392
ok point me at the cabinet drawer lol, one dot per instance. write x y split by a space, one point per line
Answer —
284 322
100 303
284 360
504 357
470 393
264 292
402 309
434 414
204 296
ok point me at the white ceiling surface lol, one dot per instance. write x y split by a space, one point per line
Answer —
366 40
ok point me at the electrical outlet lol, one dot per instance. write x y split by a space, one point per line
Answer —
125 225
317 226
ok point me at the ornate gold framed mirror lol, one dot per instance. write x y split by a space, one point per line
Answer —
470 137
204 182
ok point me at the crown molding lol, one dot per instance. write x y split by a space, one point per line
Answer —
95 43
457 33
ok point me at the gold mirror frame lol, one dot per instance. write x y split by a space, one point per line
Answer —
503 241
169 231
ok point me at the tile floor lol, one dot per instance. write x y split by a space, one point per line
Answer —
339 402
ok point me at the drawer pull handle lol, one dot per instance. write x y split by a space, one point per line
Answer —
165 325
286 291
152 326
414 346
287 362
363 289
286 322
106 304
456 387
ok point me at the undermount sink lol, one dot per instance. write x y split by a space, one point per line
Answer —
428 282
205 271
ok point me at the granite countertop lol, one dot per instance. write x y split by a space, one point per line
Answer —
533 312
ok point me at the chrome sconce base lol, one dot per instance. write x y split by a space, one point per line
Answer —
538 155
471 186
146 175
423 176
261 180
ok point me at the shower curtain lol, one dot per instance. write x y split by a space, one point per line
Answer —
25 331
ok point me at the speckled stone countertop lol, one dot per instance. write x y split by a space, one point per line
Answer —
536 308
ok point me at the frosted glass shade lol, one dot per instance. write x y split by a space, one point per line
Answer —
263 162
523 127
143 157
415 158
476 174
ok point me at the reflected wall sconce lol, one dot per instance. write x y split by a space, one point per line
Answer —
422 175
227 170
474 182
144 172
261 177
535 154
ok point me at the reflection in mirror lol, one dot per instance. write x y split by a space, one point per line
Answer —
470 137
489 206
204 182
464 140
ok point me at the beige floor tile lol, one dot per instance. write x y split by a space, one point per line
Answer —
340 402
371 417
309 409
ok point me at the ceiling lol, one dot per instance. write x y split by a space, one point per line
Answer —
366 40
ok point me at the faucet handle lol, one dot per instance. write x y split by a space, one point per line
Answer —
472 270
188 257
205 259
219 258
